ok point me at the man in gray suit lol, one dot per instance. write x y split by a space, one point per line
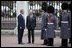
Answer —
31 24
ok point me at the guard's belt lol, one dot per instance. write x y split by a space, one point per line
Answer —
64 21
50 23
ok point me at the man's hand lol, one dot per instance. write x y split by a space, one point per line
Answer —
45 29
68 28
20 27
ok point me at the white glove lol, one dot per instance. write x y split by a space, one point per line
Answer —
20 27
45 29
68 28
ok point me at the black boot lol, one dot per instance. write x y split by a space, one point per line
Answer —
45 42
50 42
64 43
70 40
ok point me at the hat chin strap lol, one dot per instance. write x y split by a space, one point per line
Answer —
50 14
65 10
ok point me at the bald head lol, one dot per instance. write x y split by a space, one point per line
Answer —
30 12
22 11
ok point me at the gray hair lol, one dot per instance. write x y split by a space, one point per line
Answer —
22 11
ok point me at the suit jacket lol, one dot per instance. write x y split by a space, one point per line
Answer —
21 22
31 22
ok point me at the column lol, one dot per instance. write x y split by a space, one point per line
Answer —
21 5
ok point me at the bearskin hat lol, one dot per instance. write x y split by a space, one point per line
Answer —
50 9
64 6
44 6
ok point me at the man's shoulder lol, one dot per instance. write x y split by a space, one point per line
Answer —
28 16
69 12
45 14
19 15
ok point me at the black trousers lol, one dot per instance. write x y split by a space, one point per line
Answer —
30 34
50 41
45 42
69 40
64 42
20 35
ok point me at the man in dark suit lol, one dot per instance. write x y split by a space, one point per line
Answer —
21 26
31 24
